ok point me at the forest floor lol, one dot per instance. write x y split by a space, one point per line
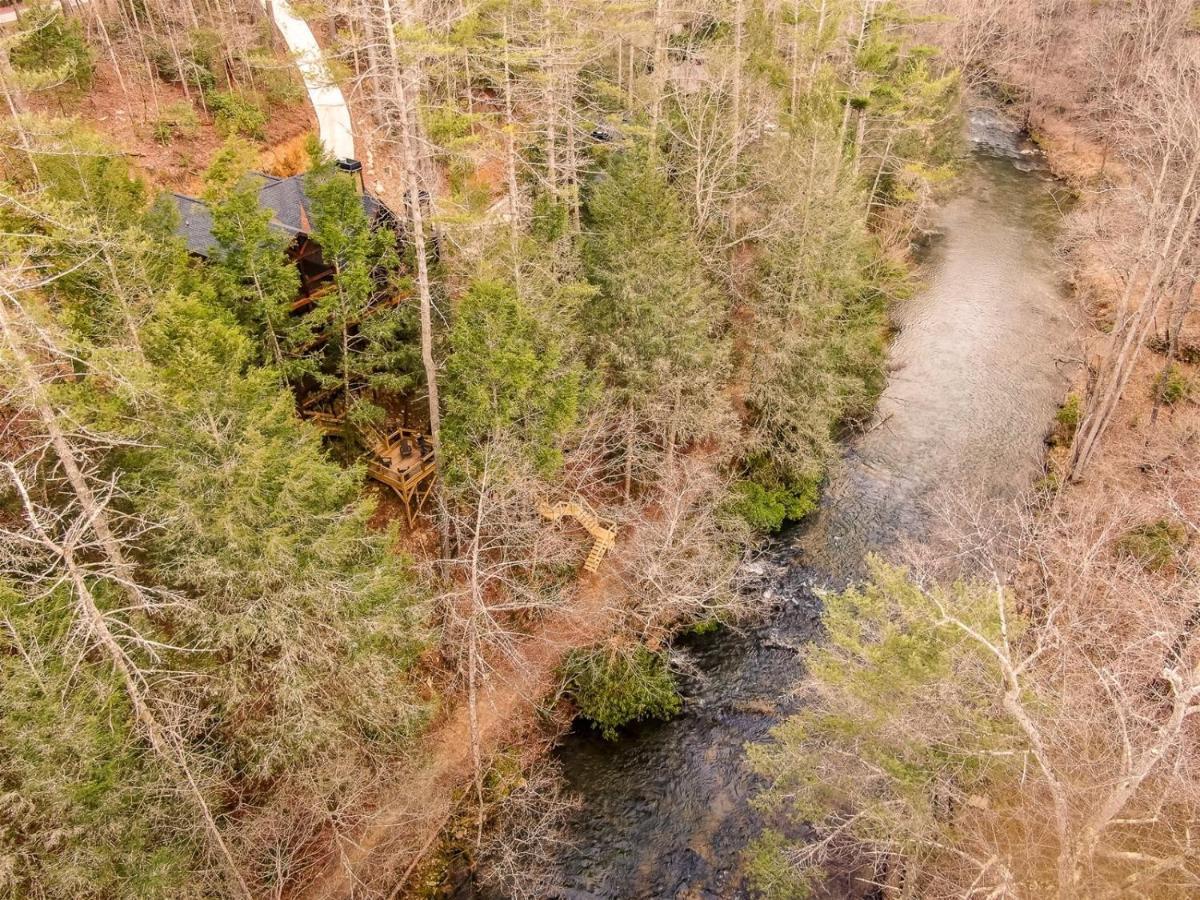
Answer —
1133 452
1142 447
392 846
127 118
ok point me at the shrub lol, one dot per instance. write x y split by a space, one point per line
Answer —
1047 486
194 63
449 127
178 118
1068 413
769 869
1154 544
1173 387
278 83
613 687
1066 422
235 113
767 509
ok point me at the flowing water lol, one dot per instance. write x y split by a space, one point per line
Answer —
974 380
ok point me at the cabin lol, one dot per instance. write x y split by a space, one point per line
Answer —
291 215
398 457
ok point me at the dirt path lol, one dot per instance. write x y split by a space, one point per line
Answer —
375 861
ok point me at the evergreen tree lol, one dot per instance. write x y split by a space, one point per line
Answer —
253 273
298 598
89 228
50 52
504 373
84 810
282 628
653 328
814 345
369 336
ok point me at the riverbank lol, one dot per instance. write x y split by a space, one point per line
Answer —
1155 420
972 390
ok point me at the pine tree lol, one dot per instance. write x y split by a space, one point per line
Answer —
653 328
300 599
85 812
227 579
368 336
251 268
505 374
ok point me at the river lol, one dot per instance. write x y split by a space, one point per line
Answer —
974 379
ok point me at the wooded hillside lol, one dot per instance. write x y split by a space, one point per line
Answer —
636 259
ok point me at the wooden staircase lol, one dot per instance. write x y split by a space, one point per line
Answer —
603 538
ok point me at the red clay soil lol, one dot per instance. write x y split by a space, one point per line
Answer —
380 859
127 120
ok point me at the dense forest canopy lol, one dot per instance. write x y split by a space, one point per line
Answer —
309 528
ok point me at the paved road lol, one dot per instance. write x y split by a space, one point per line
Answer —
333 115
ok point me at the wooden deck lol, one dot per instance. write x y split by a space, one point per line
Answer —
400 458
404 462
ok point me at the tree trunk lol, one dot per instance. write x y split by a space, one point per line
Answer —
408 153
96 519
510 161
1178 313
656 84
1117 367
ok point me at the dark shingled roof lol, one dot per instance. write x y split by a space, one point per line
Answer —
195 225
285 198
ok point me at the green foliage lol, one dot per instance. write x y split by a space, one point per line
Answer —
51 50
451 132
1047 487
1068 415
505 374
817 340
91 227
652 332
897 87
303 603
252 271
85 811
654 319
449 128
178 119
194 62
235 112
279 84
613 687
772 873
549 220
301 623
78 169
292 624
1174 386
902 728
370 341
1155 544
767 509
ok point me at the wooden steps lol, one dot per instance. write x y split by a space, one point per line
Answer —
603 538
